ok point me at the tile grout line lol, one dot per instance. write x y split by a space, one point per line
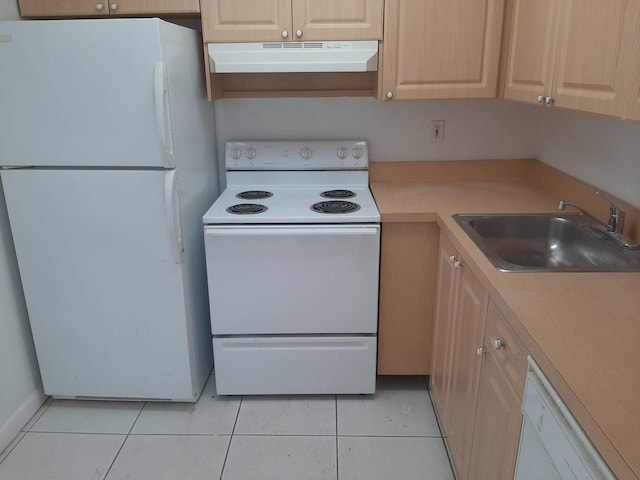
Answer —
337 448
144 404
233 431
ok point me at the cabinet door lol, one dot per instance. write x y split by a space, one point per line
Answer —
632 103
595 39
497 426
464 373
337 19
407 297
63 8
246 20
531 50
441 49
140 7
443 331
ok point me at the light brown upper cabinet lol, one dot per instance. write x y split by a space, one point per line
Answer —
441 48
571 53
98 8
286 20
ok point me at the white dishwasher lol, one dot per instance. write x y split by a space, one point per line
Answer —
552 444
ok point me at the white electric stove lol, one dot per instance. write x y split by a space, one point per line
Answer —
292 250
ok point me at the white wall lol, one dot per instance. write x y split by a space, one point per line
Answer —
595 149
602 151
9 10
395 131
20 391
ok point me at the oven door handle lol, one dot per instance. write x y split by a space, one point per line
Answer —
294 231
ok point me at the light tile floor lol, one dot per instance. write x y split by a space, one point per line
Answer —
390 435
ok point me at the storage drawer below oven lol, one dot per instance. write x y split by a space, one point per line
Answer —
295 365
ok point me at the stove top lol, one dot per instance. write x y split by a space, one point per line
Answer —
295 183
293 205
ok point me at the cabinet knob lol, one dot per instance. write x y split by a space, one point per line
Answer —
389 94
479 351
299 33
285 34
114 6
498 344
540 99
549 101
452 259
99 6
457 264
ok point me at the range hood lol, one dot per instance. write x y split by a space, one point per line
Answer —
271 57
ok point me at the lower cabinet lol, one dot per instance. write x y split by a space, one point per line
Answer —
407 297
478 365
497 425
460 323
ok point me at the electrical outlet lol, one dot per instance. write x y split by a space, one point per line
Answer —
437 131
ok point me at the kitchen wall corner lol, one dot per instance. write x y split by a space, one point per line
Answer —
595 149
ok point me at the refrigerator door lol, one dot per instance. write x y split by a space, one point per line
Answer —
97 252
85 93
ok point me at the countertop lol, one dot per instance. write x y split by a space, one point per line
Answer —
582 328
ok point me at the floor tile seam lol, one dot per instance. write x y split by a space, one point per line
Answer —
115 457
390 436
337 447
179 434
144 404
284 435
226 455
47 432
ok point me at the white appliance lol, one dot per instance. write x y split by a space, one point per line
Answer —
270 57
553 446
106 143
293 288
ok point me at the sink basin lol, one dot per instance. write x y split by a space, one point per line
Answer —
547 243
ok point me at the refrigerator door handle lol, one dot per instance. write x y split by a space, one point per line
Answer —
163 113
174 224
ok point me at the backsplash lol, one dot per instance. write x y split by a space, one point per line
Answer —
395 131
592 148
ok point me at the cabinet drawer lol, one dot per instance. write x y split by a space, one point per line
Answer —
507 349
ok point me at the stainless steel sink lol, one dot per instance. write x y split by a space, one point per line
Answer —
547 243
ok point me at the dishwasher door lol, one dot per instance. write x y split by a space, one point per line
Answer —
553 446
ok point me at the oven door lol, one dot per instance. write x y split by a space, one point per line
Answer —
296 279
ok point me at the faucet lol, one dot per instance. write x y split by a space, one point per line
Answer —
563 204
615 224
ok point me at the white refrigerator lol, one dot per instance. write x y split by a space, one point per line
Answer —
108 163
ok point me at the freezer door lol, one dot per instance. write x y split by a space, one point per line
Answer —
85 93
103 290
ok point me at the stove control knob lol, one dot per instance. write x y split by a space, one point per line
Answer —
236 153
357 153
342 153
251 153
306 153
